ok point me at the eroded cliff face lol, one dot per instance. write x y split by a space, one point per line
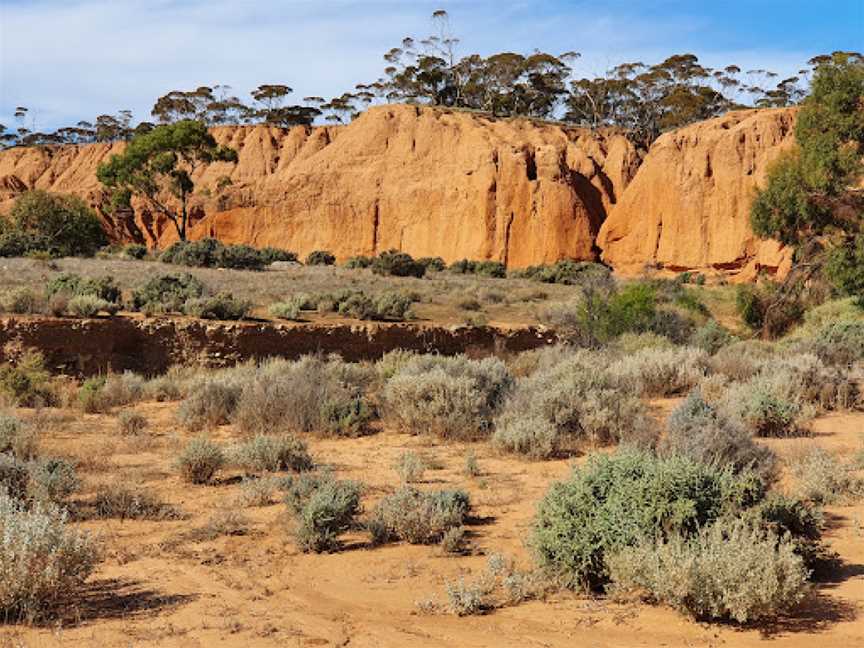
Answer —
460 185
689 205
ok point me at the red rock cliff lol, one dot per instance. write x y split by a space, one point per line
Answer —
457 184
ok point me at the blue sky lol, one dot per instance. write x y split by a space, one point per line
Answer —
73 59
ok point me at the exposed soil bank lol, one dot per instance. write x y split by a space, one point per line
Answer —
150 346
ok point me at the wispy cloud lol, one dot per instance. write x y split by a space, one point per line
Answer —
73 59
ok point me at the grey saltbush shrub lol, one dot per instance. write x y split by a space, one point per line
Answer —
661 372
574 402
129 501
23 301
14 477
272 453
729 570
711 337
210 403
451 397
285 310
223 306
18 438
166 293
698 431
90 306
418 517
52 480
323 509
822 478
131 423
200 460
43 561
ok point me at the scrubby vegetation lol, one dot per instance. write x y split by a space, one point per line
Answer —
211 253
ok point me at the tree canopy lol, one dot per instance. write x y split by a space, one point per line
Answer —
157 166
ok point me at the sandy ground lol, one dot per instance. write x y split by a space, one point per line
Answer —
157 589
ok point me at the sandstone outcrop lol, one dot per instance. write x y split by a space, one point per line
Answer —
688 206
461 185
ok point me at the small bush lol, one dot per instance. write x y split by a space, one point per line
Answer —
223 306
411 467
571 273
43 561
211 403
200 460
698 431
555 409
661 372
257 491
323 509
418 517
386 306
135 251
129 502
131 423
821 478
732 571
450 397
397 264
320 257
432 264
74 285
494 269
90 306
27 384
358 262
711 337
273 453
52 480
23 301
614 501
285 310
210 253
167 293
840 343
14 477
17 438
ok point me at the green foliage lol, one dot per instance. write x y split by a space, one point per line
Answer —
572 273
160 163
28 383
494 269
289 310
397 264
270 255
844 269
840 343
359 262
52 480
761 310
167 293
200 460
320 257
616 500
74 285
23 301
60 225
432 264
211 253
135 251
17 438
323 508
90 306
395 306
223 306
711 337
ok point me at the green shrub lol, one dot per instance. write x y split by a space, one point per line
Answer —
271 255
451 397
616 500
167 293
323 509
23 301
571 273
135 251
223 306
52 480
320 257
556 409
418 517
28 383
358 262
397 264
285 310
59 225
432 264
273 453
90 306
494 269
731 570
200 460
755 308
696 430
410 467
796 520
74 285
43 561
385 306
17 438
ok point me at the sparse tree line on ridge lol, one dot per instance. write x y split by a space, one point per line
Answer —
643 99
